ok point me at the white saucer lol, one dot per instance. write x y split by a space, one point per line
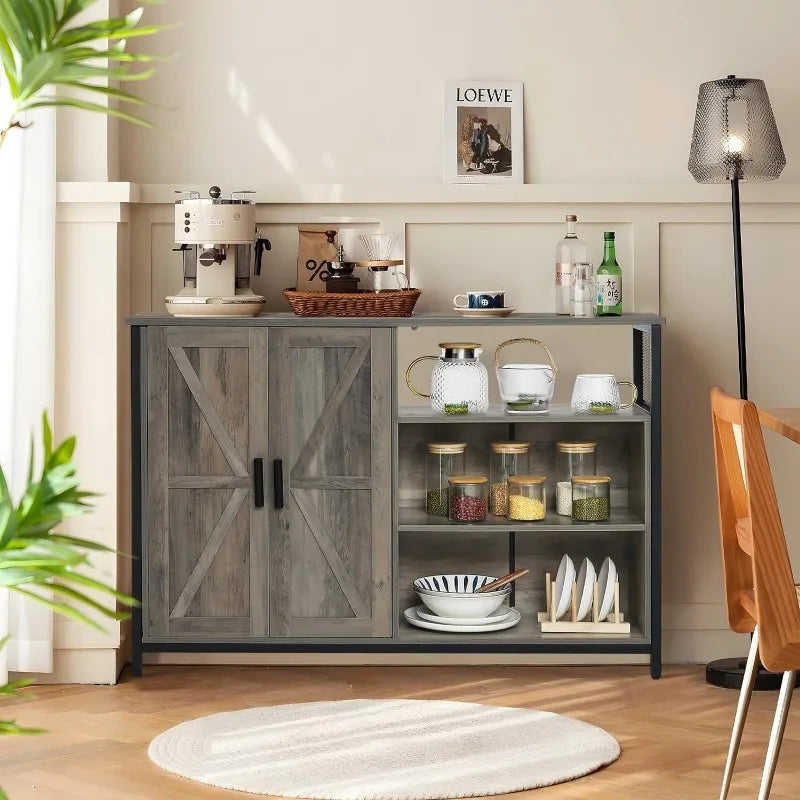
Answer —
484 312
412 618
498 615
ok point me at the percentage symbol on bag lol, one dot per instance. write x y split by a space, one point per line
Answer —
317 269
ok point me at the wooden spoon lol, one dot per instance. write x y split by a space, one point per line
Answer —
512 576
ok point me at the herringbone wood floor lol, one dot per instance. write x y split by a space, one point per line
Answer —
673 732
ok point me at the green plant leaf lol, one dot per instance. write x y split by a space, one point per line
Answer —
60 608
71 102
9 727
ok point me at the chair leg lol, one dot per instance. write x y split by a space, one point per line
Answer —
745 694
776 737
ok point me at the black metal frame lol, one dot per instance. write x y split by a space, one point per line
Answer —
611 647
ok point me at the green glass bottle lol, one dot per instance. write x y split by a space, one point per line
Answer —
609 280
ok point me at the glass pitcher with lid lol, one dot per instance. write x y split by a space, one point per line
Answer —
459 381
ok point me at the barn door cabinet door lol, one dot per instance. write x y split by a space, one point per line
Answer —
330 444
204 573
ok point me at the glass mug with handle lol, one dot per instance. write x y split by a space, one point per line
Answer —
599 394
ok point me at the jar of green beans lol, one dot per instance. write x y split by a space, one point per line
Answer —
443 460
591 498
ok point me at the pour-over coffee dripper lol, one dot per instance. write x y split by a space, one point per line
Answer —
380 248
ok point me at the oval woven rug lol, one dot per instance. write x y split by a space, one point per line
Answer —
383 750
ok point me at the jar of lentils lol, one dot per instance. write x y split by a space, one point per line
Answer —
591 498
526 497
467 497
572 458
443 460
506 459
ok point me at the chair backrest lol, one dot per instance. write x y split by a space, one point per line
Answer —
759 588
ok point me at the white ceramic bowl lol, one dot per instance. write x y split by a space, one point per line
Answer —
457 595
464 606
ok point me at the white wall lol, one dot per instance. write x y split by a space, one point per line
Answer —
278 96
267 92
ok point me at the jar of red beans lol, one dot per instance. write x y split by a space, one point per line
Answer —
468 498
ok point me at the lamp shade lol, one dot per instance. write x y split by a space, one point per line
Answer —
735 135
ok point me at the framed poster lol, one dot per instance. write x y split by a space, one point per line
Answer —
483 137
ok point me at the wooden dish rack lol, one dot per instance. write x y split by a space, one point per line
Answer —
614 624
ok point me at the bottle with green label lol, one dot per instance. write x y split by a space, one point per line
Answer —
609 280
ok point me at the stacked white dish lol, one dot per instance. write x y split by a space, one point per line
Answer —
452 604
587 576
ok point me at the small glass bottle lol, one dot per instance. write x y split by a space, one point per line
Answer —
591 498
569 251
468 498
572 458
443 460
527 497
505 459
609 280
583 292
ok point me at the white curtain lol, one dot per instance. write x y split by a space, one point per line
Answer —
27 348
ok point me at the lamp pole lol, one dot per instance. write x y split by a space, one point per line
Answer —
739 282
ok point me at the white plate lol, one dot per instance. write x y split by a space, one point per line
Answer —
564 581
586 579
498 615
484 312
412 618
605 588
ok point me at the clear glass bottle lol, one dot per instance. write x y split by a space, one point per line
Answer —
583 291
591 498
459 381
527 497
505 459
572 458
609 280
569 251
468 498
443 460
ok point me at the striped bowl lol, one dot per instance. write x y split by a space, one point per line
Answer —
456 584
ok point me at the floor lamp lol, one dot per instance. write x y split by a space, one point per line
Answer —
736 139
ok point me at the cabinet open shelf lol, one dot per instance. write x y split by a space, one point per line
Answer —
526 632
497 413
415 519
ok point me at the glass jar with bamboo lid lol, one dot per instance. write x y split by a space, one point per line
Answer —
527 497
591 498
467 497
443 460
505 459
572 458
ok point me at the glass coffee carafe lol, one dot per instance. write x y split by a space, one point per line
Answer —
387 279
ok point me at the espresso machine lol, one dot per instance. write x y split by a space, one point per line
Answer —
218 240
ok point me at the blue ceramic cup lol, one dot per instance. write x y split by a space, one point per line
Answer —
480 300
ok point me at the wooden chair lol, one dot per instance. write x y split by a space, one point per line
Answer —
759 588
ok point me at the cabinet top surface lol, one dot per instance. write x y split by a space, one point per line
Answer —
424 319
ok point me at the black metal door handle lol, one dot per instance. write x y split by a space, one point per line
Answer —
277 481
258 482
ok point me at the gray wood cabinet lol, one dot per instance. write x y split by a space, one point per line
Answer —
330 442
278 492
206 543
221 561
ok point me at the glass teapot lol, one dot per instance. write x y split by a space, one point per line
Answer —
459 381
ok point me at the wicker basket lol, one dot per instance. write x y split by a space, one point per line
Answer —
352 304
